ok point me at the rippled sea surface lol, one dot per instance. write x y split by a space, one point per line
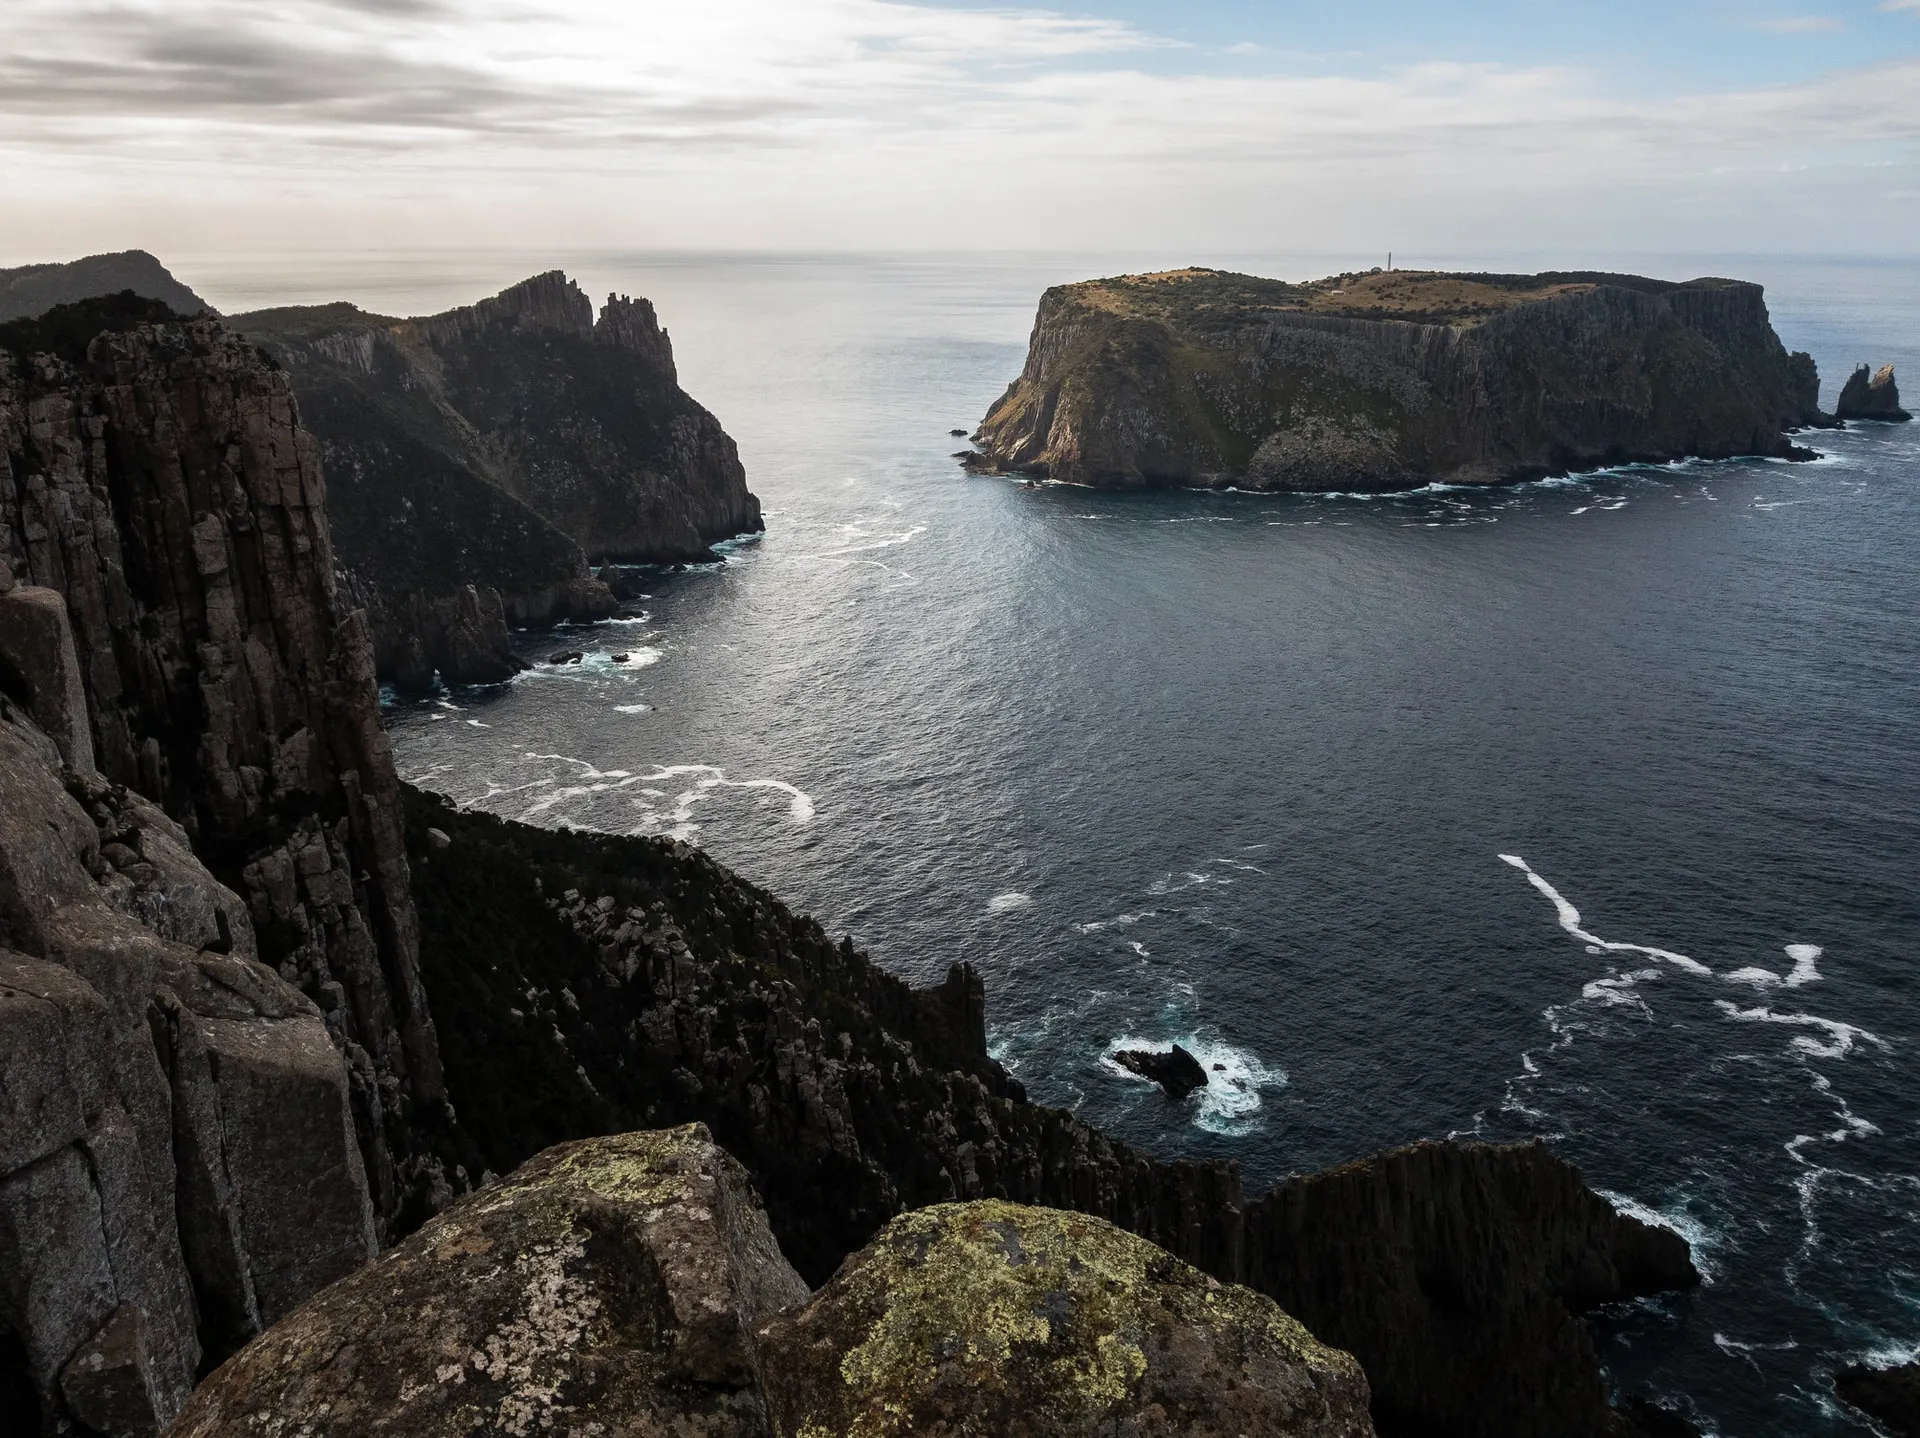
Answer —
1588 809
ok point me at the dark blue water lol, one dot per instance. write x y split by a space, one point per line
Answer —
1241 771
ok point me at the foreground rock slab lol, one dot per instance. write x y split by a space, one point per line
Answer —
613 1286
991 1318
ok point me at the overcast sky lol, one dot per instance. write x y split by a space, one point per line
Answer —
1729 125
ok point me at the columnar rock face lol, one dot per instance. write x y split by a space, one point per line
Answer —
503 446
160 482
995 1319
178 1162
1390 381
1871 394
590 983
1455 1273
612 1286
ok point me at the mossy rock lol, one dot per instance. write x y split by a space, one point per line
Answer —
612 1286
991 1318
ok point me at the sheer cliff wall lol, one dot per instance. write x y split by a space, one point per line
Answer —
503 448
163 486
1200 378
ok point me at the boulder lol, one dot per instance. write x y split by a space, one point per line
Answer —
1871 395
991 1318
611 1286
1176 1071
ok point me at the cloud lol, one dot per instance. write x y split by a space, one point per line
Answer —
856 121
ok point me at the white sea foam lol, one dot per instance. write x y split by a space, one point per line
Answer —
1009 901
678 821
1840 1037
1619 989
1570 921
1806 970
1675 1219
1235 1078
1192 879
633 708
905 536
1094 926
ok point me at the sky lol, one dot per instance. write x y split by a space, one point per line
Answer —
1730 126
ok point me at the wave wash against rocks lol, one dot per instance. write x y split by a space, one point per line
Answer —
223 924
1392 380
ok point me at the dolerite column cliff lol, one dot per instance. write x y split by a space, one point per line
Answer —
481 459
162 484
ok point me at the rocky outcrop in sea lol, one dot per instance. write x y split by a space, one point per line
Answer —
263 1011
1392 380
482 460
1871 394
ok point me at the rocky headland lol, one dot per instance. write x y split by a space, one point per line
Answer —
30 290
1871 394
1392 380
482 460
265 1012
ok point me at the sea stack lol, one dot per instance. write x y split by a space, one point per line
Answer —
1391 380
1871 395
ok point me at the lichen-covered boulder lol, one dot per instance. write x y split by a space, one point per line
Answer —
991 1318
611 1286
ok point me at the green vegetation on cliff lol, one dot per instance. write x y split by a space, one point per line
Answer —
1390 380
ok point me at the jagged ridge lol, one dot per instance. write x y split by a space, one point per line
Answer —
503 446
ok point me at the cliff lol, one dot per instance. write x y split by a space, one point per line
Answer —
31 290
1392 380
588 983
163 487
480 460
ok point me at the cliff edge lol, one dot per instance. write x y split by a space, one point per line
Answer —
479 461
1392 380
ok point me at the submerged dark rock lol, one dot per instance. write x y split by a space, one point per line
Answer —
1392 380
1871 395
502 448
1176 1071
1890 1395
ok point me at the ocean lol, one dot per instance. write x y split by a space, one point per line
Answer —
1587 809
